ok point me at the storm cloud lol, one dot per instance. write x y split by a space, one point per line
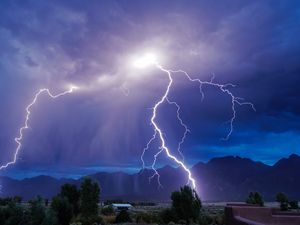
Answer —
253 44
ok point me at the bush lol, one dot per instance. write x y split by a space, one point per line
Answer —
168 215
6 201
123 217
283 200
12 214
204 219
294 205
91 220
37 211
255 198
108 210
50 218
220 219
146 218
109 219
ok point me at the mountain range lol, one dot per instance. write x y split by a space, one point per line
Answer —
220 179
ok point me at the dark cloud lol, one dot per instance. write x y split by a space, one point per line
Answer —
254 44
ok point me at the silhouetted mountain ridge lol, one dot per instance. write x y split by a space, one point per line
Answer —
228 178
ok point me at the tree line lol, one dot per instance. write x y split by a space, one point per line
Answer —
79 206
284 203
72 204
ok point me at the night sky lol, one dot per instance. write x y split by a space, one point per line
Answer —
105 125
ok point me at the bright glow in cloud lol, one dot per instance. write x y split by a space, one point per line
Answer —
145 61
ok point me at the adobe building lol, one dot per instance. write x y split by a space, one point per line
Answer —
246 214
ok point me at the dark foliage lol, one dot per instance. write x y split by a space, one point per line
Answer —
37 211
283 200
50 218
108 210
186 204
72 194
35 214
144 217
205 219
123 217
89 198
6 201
93 219
168 215
255 198
12 214
294 204
63 209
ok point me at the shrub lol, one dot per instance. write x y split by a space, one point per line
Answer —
108 210
255 198
294 204
146 218
204 219
12 214
109 219
6 201
123 217
220 219
50 218
168 215
91 220
37 211
283 200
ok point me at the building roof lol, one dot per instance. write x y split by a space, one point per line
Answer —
121 205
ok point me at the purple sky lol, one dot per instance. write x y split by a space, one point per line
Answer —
254 44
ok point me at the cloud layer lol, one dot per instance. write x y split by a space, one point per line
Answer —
254 44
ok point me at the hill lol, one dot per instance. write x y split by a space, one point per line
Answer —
221 179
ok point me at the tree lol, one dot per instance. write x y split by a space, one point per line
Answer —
17 199
63 209
89 197
12 214
255 198
283 200
168 215
37 211
6 201
186 204
51 218
71 192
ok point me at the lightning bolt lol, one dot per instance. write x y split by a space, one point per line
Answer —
157 131
186 129
19 139
224 88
